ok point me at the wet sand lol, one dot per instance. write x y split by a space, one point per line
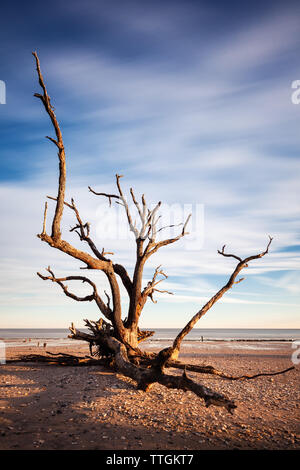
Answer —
55 407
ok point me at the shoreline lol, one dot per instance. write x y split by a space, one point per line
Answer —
22 340
166 334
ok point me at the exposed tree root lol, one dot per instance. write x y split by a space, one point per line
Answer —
145 378
211 370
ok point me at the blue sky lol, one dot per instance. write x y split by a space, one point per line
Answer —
191 101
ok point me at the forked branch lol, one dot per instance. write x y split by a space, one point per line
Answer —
153 246
151 286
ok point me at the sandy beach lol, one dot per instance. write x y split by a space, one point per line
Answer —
61 407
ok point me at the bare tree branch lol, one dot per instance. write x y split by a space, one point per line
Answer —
45 218
117 340
118 268
109 196
225 254
123 199
55 240
105 309
146 377
174 350
210 370
169 226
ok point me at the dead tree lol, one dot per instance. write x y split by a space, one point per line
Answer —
113 336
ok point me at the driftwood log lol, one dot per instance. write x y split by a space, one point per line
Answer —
115 339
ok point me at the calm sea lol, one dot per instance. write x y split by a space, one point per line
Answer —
197 334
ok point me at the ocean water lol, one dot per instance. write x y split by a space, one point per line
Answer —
165 334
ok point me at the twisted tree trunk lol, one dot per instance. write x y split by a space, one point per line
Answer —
114 337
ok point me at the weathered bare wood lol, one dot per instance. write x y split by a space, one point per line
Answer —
148 229
146 377
118 268
45 98
105 309
117 339
174 351
154 246
210 370
59 359
45 218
